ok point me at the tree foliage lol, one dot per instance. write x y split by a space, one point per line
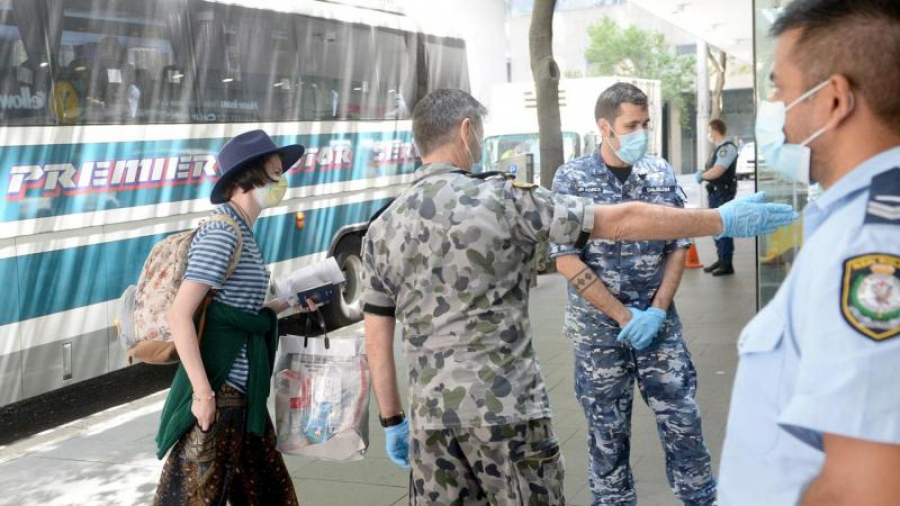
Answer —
633 52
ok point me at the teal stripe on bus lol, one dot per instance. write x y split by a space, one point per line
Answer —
328 160
9 302
75 277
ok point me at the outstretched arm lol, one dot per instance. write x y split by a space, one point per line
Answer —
638 221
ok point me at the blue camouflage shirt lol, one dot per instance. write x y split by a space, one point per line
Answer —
631 270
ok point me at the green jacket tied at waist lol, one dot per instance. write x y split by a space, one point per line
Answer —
227 329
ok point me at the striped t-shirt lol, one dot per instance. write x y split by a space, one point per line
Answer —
211 251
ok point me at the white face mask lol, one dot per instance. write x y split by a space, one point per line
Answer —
710 139
790 160
271 194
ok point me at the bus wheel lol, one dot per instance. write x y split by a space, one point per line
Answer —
346 307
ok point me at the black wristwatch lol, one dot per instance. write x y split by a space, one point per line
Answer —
393 420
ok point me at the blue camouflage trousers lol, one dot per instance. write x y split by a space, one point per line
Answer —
667 380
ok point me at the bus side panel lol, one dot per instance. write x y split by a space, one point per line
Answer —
55 351
10 336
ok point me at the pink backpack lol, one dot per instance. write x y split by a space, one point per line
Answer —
141 321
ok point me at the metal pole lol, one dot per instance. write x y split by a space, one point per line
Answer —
702 108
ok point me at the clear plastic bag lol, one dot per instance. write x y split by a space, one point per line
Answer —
322 397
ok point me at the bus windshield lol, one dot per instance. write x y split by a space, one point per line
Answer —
500 147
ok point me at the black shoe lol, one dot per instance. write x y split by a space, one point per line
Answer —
724 270
712 267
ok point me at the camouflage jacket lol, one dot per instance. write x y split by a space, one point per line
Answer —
452 258
631 270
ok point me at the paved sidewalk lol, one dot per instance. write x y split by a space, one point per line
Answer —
108 458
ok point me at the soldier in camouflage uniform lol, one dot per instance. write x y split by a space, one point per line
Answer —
452 259
615 283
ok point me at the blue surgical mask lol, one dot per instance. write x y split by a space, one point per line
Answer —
632 147
790 160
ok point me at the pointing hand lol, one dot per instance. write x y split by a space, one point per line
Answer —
752 215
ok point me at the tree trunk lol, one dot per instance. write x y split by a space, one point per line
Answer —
719 62
546 85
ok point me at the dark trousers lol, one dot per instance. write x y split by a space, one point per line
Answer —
226 463
724 245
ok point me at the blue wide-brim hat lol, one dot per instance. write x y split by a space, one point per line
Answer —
244 148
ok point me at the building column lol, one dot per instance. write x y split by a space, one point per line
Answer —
702 104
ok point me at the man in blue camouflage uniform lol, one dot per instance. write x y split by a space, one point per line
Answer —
621 317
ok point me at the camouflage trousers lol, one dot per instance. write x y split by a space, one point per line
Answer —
516 464
667 380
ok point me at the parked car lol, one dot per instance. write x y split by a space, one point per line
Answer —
746 162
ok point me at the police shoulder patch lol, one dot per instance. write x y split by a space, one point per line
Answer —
884 198
524 186
870 295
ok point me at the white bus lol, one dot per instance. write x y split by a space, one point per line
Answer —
111 112
512 126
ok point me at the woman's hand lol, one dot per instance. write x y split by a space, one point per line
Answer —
204 409
309 308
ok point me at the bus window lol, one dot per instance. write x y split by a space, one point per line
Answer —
501 147
25 73
446 61
247 63
122 62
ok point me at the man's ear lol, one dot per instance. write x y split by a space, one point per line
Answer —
465 129
843 100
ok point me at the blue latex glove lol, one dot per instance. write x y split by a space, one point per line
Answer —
751 215
643 327
396 444
699 176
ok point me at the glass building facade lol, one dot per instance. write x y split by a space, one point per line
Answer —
776 252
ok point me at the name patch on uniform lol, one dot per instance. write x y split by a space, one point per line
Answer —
660 189
870 295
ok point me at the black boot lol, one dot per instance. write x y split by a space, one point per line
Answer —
715 265
725 269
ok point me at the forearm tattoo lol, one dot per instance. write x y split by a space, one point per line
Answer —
583 280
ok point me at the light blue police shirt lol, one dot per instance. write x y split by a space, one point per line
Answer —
822 356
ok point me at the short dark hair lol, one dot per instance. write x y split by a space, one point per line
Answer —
718 125
840 37
610 101
252 175
436 117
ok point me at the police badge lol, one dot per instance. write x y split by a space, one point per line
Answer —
870 295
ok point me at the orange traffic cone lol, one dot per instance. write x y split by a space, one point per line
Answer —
693 259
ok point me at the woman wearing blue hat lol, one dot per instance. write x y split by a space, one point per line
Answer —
215 419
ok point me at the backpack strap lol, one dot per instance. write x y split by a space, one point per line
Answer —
239 245
235 258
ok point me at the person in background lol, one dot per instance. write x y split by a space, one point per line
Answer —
720 173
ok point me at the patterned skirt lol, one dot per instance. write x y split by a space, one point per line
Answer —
226 463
